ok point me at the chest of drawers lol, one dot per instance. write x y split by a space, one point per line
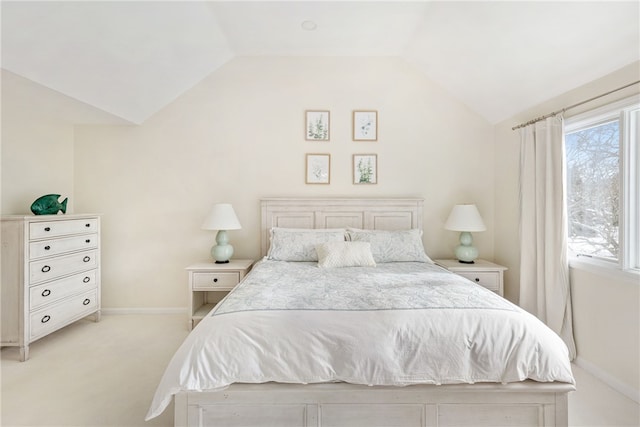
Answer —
50 275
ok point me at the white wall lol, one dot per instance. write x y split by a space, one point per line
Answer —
238 136
605 308
607 326
37 157
37 142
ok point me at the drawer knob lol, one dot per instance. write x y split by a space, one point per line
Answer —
215 280
46 248
46 293
86 301
88 241
47 229
86 259
88 225
477 280
86 279
45 319
45 269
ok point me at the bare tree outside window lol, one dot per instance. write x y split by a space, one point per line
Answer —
593 190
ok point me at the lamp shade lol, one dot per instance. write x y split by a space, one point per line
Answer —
221 217
465 218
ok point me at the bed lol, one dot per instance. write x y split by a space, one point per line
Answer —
392 341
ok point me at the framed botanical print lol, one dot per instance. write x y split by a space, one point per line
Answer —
318 169
365 125
365 168
316 125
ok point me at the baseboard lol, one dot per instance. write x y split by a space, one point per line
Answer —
155 310
608 379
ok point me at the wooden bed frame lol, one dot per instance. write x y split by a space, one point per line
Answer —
526 403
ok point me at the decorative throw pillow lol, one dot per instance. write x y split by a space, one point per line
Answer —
345 254
392 246
299 244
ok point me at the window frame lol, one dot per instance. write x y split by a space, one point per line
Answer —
627 112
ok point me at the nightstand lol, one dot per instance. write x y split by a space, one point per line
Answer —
210 282
483 272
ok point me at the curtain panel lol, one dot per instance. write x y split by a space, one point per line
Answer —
544 268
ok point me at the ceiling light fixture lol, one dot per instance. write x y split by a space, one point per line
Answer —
309 25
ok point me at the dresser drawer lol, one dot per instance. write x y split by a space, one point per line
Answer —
62 245
57 315
45 229
215 281
51 268
487 279
51 292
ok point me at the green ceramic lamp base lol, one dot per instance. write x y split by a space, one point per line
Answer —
222 251
466 253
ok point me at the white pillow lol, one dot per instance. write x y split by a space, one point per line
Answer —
345 254
392 246
299 244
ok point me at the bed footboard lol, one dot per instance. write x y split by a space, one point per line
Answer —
323 405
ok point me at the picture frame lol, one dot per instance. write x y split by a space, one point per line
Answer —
318 168
365 125
317 125
365 168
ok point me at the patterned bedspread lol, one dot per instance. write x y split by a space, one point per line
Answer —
280 285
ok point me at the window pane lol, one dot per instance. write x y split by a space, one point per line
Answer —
593 189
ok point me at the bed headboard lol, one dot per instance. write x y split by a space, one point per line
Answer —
370 214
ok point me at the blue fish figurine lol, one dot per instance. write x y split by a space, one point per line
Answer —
49 205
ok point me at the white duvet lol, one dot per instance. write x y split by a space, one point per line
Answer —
394 324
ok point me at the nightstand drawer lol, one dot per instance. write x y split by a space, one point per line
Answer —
482 272
215 281
487 279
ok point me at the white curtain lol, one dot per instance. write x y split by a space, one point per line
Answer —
544 269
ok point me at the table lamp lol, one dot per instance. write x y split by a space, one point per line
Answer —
222 218
465 218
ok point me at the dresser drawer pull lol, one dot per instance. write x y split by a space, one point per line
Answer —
86 301
88 225
45 319
46 293
86 279
46 269
88 241
215 280
47 229
86 259
477 280
46 248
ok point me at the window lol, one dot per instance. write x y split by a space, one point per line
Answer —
603 181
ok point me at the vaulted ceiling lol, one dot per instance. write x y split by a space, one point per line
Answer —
130 59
